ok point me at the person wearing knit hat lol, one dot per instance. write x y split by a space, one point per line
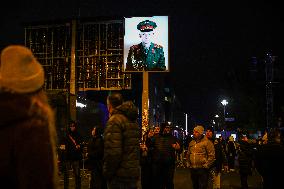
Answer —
220 160
20 72
200 157
199 129
27 128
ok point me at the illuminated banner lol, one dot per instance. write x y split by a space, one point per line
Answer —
230 119
146 44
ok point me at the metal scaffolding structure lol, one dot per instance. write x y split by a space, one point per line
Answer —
269 73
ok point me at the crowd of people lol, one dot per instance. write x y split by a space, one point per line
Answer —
119 157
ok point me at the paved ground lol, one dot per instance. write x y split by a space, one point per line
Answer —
228 180
182 180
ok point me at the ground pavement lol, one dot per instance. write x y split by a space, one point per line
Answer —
182 180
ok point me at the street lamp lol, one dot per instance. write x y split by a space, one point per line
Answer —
224 103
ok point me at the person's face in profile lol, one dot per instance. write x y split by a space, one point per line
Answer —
146 37
209 134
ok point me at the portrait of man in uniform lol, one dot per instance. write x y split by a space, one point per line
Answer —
147 55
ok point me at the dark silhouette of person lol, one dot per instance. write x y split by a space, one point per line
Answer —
245 158
72 154
164 158
269 158
95 158
121 166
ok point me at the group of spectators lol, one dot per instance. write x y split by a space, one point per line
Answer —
119 158
29 139
208 157
113 152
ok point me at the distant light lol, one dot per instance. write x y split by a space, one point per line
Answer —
80 105
216 115
224 102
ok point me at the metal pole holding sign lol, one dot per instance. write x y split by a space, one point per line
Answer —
72 89
145 103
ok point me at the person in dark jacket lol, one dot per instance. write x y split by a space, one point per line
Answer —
146 151
231 153
72 150
121 166
27 127
164 148
220 161
245 158
95 159
269 158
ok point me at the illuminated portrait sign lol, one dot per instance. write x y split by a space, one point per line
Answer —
146 44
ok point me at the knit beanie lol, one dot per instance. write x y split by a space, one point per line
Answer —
199 129
19 70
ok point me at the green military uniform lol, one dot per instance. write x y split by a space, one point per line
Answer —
140 58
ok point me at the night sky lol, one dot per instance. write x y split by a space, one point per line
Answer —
211 43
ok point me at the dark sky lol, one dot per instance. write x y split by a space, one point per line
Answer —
211 43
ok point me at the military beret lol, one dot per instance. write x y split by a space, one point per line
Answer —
146 26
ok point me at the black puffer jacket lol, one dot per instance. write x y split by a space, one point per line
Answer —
163 152
268 161
245 157
220 155
71 153
121 145
27 143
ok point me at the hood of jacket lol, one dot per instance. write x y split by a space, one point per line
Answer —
14 108
128 109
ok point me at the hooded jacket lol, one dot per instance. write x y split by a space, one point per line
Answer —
27 143
121 145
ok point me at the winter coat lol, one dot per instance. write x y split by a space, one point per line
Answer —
27 143
231 149
201 153
269 161
71 153
163 152
220 155
96 153
121 144
245 157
